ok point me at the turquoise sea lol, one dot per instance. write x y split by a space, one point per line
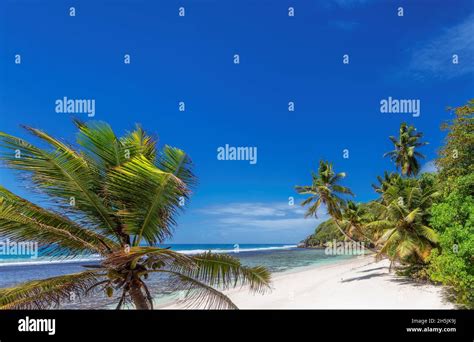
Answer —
276 257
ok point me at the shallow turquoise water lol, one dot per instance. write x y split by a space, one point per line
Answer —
277 258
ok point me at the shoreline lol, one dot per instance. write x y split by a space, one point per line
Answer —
358 283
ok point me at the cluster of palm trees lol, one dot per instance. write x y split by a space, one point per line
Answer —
396 224
117 197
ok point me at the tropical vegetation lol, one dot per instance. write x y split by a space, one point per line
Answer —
422 222
117 197
405 156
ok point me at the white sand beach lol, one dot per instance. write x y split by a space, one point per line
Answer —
359 283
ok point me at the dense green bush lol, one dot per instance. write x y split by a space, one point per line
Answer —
324 232
452 263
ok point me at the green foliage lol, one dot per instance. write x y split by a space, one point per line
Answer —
43 294
453 263
385 181
405 155
417 272
456 157
324 189
354 217
325 232
425 223
110 196
406 235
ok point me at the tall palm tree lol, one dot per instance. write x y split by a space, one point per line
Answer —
405 155
406 236
325 189
116 197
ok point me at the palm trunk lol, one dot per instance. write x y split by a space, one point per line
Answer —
347 236
138 297
365 236
342 230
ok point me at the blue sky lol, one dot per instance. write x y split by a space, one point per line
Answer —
282 59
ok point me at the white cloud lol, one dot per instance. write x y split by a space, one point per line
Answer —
272 224
429 167
265 217
245 209
434 58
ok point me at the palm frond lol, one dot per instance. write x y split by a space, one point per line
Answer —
100 141
139 142
380 224
406 248
429 233
337 177
410 218
198 294
61 174
386 236
342 189
148 256
313 209
40 294
304 190
404 154
175 161
224 271
21 220
149 198
390 245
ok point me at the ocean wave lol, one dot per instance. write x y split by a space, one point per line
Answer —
45 261
234 250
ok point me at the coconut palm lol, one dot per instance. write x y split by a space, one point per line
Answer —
406 236
325 189
355 215
385 181
405 155
117 197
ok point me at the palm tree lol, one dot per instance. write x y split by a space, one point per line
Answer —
116 197
404 155
355 215
325 189
406 236
385 181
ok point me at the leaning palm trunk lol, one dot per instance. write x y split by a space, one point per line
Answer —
363 235
325 189
336 221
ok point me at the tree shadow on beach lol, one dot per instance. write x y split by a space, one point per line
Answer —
363 277
374 269
406 281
